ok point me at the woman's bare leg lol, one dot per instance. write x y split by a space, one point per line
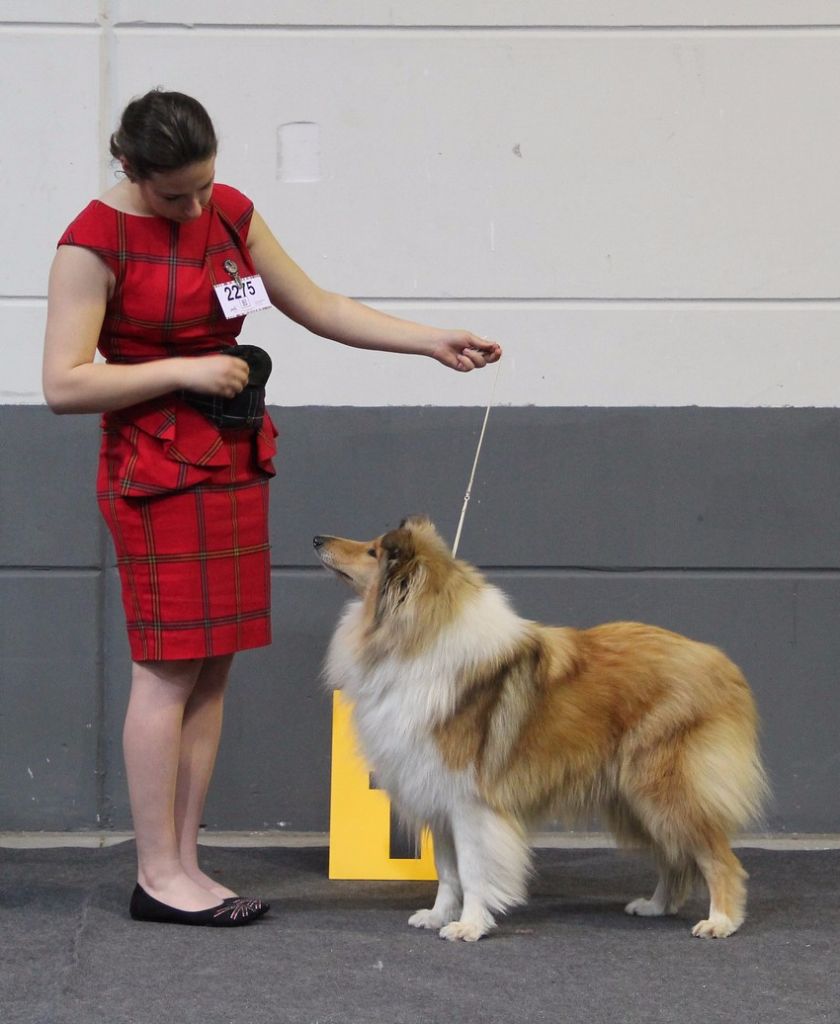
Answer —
200 733
160 692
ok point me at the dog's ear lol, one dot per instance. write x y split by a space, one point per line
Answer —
399 551
399 548
415 520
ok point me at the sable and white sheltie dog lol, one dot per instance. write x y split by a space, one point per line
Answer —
480 724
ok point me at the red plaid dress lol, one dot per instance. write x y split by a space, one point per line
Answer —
185 502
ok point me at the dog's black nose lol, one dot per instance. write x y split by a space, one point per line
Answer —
318 541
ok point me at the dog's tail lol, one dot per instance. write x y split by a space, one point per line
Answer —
727 776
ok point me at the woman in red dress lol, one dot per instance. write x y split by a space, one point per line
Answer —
185 500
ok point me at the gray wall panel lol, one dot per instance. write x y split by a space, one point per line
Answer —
716 522
116 687
355 472
49 700
628 488
47 473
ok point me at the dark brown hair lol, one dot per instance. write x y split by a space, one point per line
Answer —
163 131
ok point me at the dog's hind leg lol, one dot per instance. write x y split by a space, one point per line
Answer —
447 905
726 880
493 864
674 886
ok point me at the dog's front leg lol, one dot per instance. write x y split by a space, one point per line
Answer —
448 900
493 860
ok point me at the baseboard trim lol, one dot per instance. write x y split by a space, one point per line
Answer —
541 840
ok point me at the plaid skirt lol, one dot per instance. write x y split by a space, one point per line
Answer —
194 564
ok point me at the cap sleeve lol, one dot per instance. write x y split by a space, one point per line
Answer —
236 207
96 228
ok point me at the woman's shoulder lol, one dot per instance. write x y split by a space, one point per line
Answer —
235 205
95 224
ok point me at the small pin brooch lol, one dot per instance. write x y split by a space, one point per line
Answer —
232 268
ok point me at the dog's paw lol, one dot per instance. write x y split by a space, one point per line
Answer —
462 931
646 908
428 919
717 926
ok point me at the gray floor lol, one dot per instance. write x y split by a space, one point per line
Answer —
341 952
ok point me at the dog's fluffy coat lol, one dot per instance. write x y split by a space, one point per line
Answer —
480 724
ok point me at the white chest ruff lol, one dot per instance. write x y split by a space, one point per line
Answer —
398 703
396 706
395 731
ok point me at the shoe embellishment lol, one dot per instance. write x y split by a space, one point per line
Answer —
237 907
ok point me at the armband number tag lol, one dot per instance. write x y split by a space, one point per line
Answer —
245 295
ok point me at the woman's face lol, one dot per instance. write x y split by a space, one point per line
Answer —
179 195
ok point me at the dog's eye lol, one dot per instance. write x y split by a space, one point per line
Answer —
372 552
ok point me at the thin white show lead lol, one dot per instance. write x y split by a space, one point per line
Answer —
475 460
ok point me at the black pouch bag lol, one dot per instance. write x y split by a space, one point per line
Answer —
248 407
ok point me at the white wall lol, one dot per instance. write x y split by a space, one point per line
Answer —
639 199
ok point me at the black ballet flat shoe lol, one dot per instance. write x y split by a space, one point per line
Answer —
230 913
